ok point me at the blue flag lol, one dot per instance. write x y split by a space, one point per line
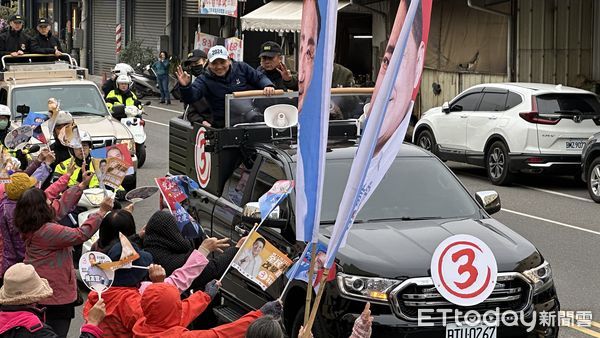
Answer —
317 42
35 119
188 227
272 198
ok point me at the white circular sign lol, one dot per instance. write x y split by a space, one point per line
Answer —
92 275
202 159
464 270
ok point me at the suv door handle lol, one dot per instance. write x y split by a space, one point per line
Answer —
493 117
464 116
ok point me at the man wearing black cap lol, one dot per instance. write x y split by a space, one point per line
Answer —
271 64
44 42
195 64
14 41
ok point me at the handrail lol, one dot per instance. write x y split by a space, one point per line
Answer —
344 90
71 61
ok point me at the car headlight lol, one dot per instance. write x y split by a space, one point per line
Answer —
130 144
540 276
369 288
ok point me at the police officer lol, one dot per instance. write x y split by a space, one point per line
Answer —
271 64
122 94
14 41
44 42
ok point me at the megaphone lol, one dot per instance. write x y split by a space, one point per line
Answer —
281 116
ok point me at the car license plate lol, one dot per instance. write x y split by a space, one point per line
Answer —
574 144
465 331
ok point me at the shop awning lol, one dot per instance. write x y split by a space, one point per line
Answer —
277 16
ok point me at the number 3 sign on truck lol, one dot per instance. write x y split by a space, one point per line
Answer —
464 270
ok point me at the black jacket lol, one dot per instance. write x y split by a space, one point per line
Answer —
108 85
41 44
278 81
12 41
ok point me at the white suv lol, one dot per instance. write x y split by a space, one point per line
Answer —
513 127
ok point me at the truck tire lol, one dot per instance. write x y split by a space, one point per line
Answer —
497 164
593 180
317 329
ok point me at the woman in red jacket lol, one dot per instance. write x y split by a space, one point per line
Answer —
48 247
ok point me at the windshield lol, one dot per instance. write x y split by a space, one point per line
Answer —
76 99
413 188
568 103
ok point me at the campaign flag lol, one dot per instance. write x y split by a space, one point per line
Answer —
317 42
115 172
300 269
260 261
185 183
187 225
69 136
170 191
18 138
392 102
35 120
272 198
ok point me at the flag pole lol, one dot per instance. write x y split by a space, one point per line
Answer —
309 288
315 307
293 272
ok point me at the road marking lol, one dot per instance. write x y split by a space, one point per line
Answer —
551 221
557 193
154 122
596 324
166 109
585 330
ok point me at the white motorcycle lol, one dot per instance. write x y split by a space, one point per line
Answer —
133 121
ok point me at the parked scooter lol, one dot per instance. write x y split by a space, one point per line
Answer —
146 84
131 118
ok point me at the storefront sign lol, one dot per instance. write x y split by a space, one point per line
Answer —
218 7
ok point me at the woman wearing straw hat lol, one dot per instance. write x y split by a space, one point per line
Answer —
23 289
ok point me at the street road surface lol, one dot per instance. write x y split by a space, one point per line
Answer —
554 213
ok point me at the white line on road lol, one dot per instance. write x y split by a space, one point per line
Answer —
557 193
154 122
167 109
551 221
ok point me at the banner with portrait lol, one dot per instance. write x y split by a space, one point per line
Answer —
388 115
260 261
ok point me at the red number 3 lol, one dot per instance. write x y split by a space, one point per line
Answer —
467 267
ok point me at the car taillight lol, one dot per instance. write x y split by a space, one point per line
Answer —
534 117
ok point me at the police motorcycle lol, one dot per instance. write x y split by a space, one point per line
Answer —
132 118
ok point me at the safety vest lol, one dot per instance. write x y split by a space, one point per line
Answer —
61 169
116 98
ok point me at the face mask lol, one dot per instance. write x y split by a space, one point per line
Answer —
197 70
3 125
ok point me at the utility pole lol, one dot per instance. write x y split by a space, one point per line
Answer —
118 32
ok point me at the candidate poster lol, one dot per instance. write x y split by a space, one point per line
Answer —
389 114
119 151
18 138
260 261
300 269
171 191
235 48
35 120
115 172
317 42
92 274
218 7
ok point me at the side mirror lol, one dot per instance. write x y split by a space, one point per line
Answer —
489 201
251 214
446 107
118 110
23 109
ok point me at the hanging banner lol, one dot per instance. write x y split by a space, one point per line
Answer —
387 120
317 42
260 261
235 48
205 41
218 7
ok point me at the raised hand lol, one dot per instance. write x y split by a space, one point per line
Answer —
157 273
183 77
212 244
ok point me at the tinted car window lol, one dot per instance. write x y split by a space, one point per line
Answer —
493 102
566 103
235 186
513 100
468 102
412 188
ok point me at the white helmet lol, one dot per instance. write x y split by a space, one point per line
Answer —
123 79
85 136
5 111
122 69
63 117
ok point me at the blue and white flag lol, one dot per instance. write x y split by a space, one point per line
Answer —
187 225
272 198
317 42
387 120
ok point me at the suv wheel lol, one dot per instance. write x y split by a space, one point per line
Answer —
497 164
593 180
426 140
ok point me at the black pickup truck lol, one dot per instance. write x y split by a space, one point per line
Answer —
419 203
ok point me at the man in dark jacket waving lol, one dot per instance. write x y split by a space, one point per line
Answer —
14 41
272 65
44 42
223 77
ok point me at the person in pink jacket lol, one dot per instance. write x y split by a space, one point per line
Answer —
48 247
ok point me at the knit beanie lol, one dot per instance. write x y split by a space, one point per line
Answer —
19 182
